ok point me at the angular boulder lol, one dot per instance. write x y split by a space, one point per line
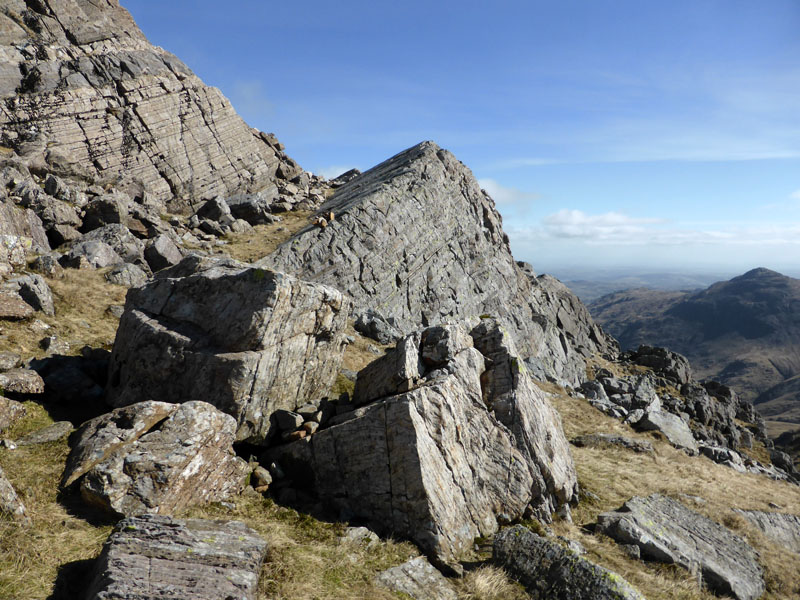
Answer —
155 457
417 240
248 340
551 572
444 448
672 426
417 579
667 531
21 381
155 557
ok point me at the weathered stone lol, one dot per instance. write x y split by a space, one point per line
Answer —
782 528
153 557
11 411
418 579
98 102
260 477
189 445
359 535
48 266
10 504
666 531
34 290
121 240
21 381
21 232
608 439
54 345
13 307
251 341
671 365
52 433
253 208
95 253
127 275
673 428
550 572
374 326
287 420
9 360
416 239
106 210
457 448
161 252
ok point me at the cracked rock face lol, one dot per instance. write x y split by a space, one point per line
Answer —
417 241
155 457
154 557
550 572
86 95
454 437
667 531
248 340
782 528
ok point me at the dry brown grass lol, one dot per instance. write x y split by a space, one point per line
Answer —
488 582
264 239
81 301
615 475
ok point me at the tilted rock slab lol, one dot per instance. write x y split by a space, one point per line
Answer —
433 459
10 504
155 457
156 557
667 531
551 572
416 240
248 340
782 528
84 94
418 579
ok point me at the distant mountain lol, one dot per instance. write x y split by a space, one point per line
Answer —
591 286
744 332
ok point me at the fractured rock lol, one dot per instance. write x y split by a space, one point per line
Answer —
249 340
549 571
673 428
161 252
432 457
609 439
780 527
115 458
418 579
667 531
21 381
153 557
126 275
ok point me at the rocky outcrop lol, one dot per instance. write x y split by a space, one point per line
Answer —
417 579
452 437
666 531
549 571
416 241
781 528
155 557
115 457
248 340
601 440
85 95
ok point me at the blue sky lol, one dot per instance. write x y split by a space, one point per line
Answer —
641 134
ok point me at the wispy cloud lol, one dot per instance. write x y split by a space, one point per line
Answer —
333 170
795 195
502 194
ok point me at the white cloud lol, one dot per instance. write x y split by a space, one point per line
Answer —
333 171
504 195
612 226
795 195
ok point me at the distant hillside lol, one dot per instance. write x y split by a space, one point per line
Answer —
744 332
591 286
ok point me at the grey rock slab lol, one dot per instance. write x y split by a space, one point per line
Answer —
127 275
673 427
10 504
417 240
95 253
248 340
782 528
52 433
128 464
154 557
609 439
34 290
442 461
21 381
551 572
418 579
667 531
161 252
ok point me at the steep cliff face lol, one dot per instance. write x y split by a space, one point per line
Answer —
417 241
84 94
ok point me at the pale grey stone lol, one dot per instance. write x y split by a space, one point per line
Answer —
418 579
782 528
52 433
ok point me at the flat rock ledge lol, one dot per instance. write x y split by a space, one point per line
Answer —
551 572
155 557
418 579
782 528
250 341
667 531
452 438
155 457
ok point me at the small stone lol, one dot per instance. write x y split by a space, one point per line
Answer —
359 535
310 427
287 420
260 477
9 360
21 381
8 444
13 307
632 550
54 345
57 431
38 326
293 436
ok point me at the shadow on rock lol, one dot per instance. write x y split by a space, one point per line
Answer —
72 580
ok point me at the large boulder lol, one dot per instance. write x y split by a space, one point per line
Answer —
248 340
551 572
155 457
452 439
155 557
667 531
416 240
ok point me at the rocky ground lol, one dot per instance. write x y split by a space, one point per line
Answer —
226 376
